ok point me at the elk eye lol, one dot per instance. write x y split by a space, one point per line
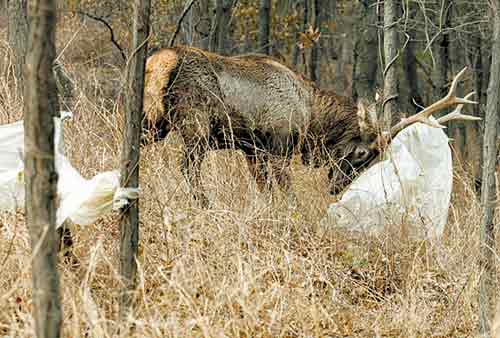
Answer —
361 155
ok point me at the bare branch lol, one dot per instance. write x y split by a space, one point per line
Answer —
179 23
108 26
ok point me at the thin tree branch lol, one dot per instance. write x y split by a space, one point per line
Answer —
111 31
179 23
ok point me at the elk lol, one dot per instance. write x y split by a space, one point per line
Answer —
258 105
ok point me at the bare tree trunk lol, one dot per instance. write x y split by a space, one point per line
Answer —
129 225
344 70
391 83
414 100
202 10
487 266
40 106
219 34
441 54
409 85
305 20
18 37
475 130
365 51
314 61
264 26
328 12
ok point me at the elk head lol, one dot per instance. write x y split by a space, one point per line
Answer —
373 140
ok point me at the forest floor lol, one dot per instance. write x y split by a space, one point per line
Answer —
252 265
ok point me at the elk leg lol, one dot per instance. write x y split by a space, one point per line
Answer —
268 172
192 172
258 170
65 244
279 170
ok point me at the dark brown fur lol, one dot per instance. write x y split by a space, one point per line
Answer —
253 103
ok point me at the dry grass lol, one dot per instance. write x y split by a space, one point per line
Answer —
253 265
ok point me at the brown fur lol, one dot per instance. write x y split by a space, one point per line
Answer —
252 102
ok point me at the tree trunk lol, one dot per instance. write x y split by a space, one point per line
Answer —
18 37
345 51
409 84
457 58
40 106
314 61
219 34
487 266
391 90
441 55
303 27
328 12
414 100
202 12
365 51
264 26
129 225
474 131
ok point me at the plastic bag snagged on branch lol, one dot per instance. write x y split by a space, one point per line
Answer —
82 201
411 186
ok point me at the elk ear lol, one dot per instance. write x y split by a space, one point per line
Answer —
367 119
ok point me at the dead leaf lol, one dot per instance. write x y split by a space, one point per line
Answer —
308 38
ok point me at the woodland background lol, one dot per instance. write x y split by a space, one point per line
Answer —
435 40
256 265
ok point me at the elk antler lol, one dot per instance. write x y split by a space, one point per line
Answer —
424 116
457 114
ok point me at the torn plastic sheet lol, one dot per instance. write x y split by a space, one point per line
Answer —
411 186
80 200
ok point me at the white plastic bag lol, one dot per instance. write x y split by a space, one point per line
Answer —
411 186
81 200
11 166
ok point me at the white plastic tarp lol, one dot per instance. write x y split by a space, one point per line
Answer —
411 186
81 200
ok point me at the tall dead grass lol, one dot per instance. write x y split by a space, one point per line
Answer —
252 265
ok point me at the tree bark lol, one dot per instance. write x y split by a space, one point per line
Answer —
365 51
219 35
411 80
328 12
441 55
314 61
487 260
474 131
344 69
129 225
411 101
265 26
40 107
391 83
202 12
305 19
18 37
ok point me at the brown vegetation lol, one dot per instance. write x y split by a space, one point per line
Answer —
253 265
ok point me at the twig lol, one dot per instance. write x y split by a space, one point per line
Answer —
179 23
389 65
111 32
